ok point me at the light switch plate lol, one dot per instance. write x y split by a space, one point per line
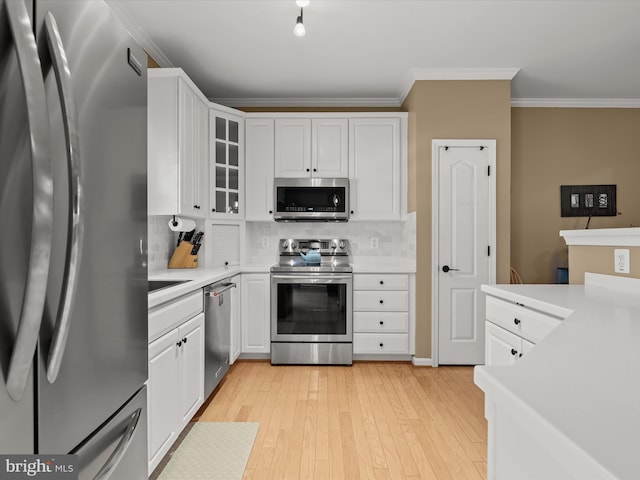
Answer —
621 260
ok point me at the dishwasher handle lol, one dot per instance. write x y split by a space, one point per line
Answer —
214 292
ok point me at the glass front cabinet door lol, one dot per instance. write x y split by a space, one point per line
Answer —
226 164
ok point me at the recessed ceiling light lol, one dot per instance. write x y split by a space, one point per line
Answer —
303 3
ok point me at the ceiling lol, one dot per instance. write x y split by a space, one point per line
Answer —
369 52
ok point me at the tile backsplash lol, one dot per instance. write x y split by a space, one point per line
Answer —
397 239
161 241
393 238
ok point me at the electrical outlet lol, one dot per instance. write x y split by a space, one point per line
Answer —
621 260
265 242
374 242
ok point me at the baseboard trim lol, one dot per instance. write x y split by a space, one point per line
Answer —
422 362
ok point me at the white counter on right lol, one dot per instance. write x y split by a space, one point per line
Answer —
570 408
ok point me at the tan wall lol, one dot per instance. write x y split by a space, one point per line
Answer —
151 63
457 110
587 258
567 146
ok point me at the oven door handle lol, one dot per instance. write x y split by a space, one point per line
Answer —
311 277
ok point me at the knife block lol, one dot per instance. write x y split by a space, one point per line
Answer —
182 257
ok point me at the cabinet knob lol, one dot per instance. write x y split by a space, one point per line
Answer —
381 301
351 212
381 282
184 340
514 352
226 264
315 169
516 321
179 343
213 209
270 212
307 169
381 345
381 322
520 356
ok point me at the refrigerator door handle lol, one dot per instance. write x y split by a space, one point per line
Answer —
76 215
123 445
42 216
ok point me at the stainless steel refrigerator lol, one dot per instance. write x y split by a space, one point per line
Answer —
73 278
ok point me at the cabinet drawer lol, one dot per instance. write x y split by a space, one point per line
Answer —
380 343
381 322
380 301
380 282
522 321
171 314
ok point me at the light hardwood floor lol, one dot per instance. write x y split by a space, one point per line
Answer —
374 420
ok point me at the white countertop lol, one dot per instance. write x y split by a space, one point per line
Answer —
200 277
583 379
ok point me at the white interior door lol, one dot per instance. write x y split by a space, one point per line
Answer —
464 246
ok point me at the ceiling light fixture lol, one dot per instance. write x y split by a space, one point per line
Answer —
303 3
299 29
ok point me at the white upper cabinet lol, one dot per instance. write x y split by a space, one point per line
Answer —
375 184
330 148
293 147
316 147
259 168
177 145
226 151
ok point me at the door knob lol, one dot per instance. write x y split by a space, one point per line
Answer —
446 269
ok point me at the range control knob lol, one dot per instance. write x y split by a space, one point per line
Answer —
294 245
342 244
285 244
333 245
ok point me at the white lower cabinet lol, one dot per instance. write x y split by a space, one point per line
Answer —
176 378
503 347
381 316
512 330
256 313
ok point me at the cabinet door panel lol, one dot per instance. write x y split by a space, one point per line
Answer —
374 168
330 148
500 345
293 147
191 384
187 116
256 313
259 168
162 396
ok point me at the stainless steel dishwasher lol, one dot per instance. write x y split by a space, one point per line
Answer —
217 333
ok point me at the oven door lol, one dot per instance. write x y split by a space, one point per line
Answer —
312 307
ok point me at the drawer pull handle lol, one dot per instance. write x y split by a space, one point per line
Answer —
381 301
514 352
516 321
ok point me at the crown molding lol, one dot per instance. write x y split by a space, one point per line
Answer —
618 237
309 102
139 35
417 74
577 102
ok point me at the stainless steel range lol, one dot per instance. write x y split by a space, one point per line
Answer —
311 303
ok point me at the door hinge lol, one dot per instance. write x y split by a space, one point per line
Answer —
489 170
488 250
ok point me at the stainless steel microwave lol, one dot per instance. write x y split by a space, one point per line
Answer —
311 199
